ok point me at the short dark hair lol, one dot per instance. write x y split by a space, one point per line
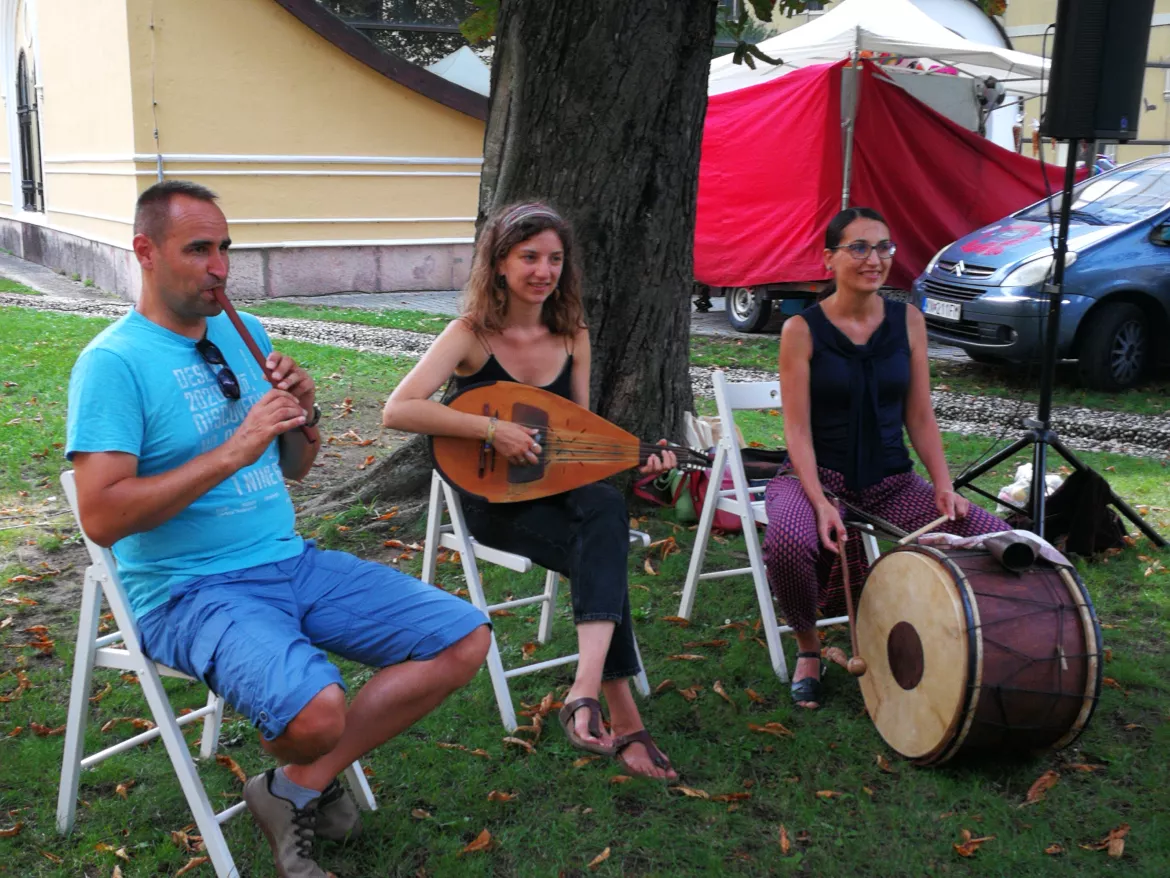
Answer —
841 221
153 209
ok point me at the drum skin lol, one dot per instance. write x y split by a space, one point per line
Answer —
965 655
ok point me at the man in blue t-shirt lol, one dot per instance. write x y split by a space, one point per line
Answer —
181 447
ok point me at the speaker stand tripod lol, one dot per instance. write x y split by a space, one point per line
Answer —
1039 434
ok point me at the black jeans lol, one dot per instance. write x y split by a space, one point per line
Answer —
583 534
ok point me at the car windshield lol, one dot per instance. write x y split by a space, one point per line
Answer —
1124 196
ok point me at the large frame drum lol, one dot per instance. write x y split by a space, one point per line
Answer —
966 655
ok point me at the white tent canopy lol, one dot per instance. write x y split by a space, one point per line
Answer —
897 27
464 68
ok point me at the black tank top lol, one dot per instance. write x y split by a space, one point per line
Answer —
491 370
857 397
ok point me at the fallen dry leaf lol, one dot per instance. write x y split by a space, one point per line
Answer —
366 462
692 793
1043 784
968 846
230 764
1053 849
1110 682
497 796
448 746
691 692
731 797
44 731
1114 842
109 687
16 731
520 742
140 724
619 778
785 844
827 794
52 857
482 842
648 566
599 859
722 693
4 623
677 620
117 873
772 728
193 863
420 814
663 686
584 760
884 764
686 657
754 696
123 788
12 830
528 650
36 629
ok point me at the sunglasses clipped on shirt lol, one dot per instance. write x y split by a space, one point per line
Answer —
224 376
860 250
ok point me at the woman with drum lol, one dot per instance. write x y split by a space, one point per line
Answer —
523 321
853 374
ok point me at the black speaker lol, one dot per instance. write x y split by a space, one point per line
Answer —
1098 64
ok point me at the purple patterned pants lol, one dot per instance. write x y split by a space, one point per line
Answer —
804 575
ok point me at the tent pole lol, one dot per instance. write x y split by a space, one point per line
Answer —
855 55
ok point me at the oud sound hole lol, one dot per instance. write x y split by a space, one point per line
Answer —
904 651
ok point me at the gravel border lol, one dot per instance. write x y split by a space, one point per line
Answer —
1081 428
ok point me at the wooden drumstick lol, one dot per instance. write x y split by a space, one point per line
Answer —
856 665
911 537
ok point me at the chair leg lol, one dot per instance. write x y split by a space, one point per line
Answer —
184 766
209 740
434 528
360 787
552 582
767 608
703 534
83 660
641 681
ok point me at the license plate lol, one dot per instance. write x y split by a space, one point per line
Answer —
945 310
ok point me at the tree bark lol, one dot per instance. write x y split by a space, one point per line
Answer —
598 107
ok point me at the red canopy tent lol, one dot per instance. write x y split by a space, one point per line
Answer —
771 175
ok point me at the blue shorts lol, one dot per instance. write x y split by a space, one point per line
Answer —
258 636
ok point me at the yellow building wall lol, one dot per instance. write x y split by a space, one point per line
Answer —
1025 16
85 115
246 79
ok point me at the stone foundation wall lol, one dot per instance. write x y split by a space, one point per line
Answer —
256 273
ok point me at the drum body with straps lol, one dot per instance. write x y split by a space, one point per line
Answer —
966 655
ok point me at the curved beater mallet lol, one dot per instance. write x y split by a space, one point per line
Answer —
855 665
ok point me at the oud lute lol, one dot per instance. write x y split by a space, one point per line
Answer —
578 447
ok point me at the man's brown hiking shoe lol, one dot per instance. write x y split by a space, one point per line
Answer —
289 830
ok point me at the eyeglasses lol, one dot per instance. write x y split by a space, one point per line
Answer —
860 250
226 378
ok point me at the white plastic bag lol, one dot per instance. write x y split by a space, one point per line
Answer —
1019 491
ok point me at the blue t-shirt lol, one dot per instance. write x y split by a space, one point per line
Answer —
141 389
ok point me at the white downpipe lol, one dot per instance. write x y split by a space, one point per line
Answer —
848 125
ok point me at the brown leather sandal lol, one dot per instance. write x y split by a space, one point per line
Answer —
565 717
656 756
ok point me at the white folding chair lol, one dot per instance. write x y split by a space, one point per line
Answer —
748 503
101 578
456 537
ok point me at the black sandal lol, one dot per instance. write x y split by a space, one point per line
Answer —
808 689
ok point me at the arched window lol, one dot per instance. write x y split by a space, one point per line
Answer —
31 175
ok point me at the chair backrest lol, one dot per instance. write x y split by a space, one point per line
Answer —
103 567
732 397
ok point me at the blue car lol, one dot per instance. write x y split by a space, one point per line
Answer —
984 293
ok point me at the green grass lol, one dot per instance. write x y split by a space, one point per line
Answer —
11 286
414 321
882 824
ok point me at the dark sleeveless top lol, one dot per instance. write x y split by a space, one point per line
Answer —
491 370
857 397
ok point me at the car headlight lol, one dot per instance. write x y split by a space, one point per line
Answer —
934 259
1036 272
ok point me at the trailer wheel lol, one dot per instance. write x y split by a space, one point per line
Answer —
747 310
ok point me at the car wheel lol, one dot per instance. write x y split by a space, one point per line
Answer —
747 310
1115 350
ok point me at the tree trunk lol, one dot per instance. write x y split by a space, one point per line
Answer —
598 107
